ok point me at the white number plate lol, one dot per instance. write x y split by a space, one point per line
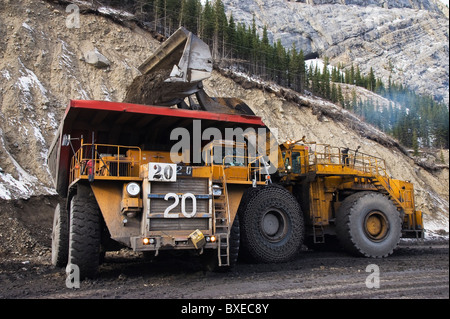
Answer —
162 172
184 197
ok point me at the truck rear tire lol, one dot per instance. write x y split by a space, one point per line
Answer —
272 227
84 232
60 237
368 224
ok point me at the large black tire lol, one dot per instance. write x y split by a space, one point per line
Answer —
85 232
60 237
368 224
272 227
235 242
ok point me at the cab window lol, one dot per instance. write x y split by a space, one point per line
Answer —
296 163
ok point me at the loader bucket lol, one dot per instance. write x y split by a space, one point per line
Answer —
188 58
173 72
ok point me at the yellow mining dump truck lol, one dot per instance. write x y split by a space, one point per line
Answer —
123 182
208 178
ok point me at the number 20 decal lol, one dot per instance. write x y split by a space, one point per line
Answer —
162 172
168 214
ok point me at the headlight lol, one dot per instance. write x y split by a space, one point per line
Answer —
133 189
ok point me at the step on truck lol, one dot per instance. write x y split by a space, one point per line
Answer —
205 176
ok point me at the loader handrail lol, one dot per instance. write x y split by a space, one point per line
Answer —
322 156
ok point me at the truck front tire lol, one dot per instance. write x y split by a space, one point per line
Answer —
84 232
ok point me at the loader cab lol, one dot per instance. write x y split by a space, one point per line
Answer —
295 159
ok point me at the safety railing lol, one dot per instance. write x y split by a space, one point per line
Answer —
233 156
105 161
254 166
324 154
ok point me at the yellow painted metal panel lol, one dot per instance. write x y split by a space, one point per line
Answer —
109 199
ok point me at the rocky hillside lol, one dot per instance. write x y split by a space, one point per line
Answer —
407 40
45 62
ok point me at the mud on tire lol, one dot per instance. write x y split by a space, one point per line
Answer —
84 232
368 224
272 227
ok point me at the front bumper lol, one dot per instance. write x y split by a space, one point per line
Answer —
167 243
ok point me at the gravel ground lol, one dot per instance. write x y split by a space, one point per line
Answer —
415 270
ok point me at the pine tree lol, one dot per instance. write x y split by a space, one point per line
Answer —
415 143
231 36
358 80
354 104
280 63
302 71
207 23
340 96
266 54
190 15
296 69
372 82
326 88
220 25
334 93
315 86
351 79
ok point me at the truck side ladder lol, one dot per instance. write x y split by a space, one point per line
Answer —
222 224
316 209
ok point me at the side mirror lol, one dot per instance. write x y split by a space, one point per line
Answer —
65 140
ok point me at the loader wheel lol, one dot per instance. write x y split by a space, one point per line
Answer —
60 237
84 232
368 224
272 228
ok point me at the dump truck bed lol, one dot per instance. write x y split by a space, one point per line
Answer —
128 124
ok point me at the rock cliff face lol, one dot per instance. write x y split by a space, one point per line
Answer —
405 39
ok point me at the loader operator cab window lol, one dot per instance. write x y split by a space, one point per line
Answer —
292 162
296 163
